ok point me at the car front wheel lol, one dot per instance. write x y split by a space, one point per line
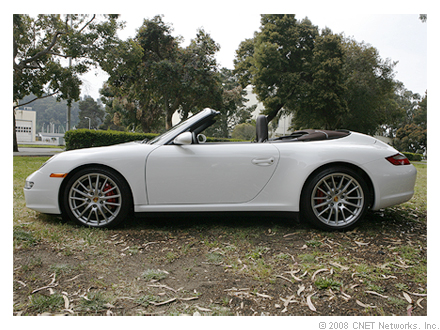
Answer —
335 198
96 197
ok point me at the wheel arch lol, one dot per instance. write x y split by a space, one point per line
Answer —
81 167
353 167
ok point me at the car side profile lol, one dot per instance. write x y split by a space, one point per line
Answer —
330 178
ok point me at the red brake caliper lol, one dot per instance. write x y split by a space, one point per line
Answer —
110 193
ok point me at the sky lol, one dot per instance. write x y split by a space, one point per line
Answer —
399 37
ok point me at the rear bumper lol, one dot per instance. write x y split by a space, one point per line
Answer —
393 185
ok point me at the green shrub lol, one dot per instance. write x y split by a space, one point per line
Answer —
412 156
85 138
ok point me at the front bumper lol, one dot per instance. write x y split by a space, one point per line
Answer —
43 195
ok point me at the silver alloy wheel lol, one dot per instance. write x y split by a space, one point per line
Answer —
338 200
95 199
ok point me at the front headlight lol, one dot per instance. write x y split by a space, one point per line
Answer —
28 185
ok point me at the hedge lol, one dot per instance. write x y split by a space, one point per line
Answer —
85 138
412 156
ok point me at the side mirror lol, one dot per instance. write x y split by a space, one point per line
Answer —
184 138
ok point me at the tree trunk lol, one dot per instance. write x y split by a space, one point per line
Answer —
15 134
169 120
273 112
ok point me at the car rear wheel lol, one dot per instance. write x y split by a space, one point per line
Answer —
96 197
335 198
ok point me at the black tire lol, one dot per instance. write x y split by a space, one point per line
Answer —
335 198
96 197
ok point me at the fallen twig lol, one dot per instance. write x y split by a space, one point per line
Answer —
235 289
364 305
263 295
162 286
417 294
187 299
284 278
319 271
52 284
335 264
66 302
203 309
74 278
162 303
376 294
309 302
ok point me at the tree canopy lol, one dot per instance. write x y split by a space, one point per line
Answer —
412 133
42 46
158 77
324 80
152 77
90 112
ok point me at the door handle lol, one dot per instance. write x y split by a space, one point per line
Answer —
263 161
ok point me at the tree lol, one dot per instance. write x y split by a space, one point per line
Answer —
412 138
120 113
294 68
323 80
412 135
200 80
157 77
244 131
405 104
277 62
91 109
324 105
128 94
421 113
370 88
233 110
42 45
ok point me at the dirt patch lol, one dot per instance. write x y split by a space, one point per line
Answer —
224 265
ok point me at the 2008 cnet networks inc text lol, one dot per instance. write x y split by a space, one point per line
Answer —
377 326
392 326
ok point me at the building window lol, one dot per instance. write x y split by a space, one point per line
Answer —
22 129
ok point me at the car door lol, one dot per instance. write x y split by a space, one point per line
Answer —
209 173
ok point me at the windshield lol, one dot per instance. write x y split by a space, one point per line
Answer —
165 135
180 128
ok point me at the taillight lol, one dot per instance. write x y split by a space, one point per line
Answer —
398 159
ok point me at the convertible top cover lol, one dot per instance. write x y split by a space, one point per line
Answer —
314 135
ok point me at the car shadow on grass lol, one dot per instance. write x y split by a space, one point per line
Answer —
389 219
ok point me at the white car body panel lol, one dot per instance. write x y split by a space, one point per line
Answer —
209 174
128 159
266 176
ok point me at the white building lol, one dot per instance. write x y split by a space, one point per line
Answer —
25 125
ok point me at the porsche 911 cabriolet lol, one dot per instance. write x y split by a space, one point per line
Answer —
329 178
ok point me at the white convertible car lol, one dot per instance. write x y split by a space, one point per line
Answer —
330 178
